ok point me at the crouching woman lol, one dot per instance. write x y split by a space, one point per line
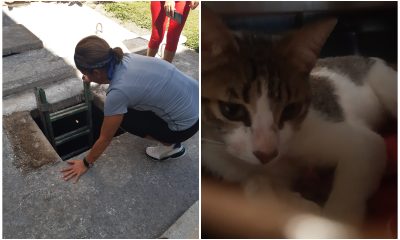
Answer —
147 97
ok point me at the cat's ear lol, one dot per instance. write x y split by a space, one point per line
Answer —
293 58
300 49
217 41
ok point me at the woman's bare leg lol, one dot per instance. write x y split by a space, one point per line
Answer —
151 52
168 55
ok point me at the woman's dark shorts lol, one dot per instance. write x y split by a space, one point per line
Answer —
146 123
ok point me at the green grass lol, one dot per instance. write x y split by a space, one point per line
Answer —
139 13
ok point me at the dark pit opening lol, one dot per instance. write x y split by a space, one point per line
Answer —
10 54
80 144
69 123
97 118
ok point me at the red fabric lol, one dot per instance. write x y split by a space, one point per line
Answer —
382 207
159 23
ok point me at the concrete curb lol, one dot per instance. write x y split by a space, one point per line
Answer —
187 226
19 39
26 101
33 68
7 21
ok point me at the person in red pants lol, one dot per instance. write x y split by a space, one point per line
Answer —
160 10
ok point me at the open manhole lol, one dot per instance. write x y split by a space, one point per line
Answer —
65 125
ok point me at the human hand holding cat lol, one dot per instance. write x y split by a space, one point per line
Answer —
263 187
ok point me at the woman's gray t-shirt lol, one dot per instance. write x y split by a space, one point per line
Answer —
150 84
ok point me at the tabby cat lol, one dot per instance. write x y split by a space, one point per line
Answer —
271 108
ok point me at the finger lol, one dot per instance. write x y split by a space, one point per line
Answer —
68 173
193 5
70 176
166 8
70 161
66 169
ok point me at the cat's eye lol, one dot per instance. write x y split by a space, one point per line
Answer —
291 111
234 112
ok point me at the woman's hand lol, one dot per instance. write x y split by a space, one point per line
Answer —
169 8
76 169
193 4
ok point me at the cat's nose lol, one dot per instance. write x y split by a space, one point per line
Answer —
265 157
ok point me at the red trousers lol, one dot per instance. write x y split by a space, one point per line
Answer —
159 23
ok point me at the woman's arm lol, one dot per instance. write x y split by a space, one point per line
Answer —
77 168
108 130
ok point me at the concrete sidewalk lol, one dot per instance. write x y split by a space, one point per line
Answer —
126 194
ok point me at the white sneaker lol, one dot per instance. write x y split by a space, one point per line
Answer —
164 152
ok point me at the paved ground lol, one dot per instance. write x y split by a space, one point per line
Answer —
187 226
126 195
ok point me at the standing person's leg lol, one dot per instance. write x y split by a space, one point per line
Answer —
175 29
158 25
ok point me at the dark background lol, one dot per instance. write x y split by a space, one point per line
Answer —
364 28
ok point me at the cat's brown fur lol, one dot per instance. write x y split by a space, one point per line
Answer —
297 51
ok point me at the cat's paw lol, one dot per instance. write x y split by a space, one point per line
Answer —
309 226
